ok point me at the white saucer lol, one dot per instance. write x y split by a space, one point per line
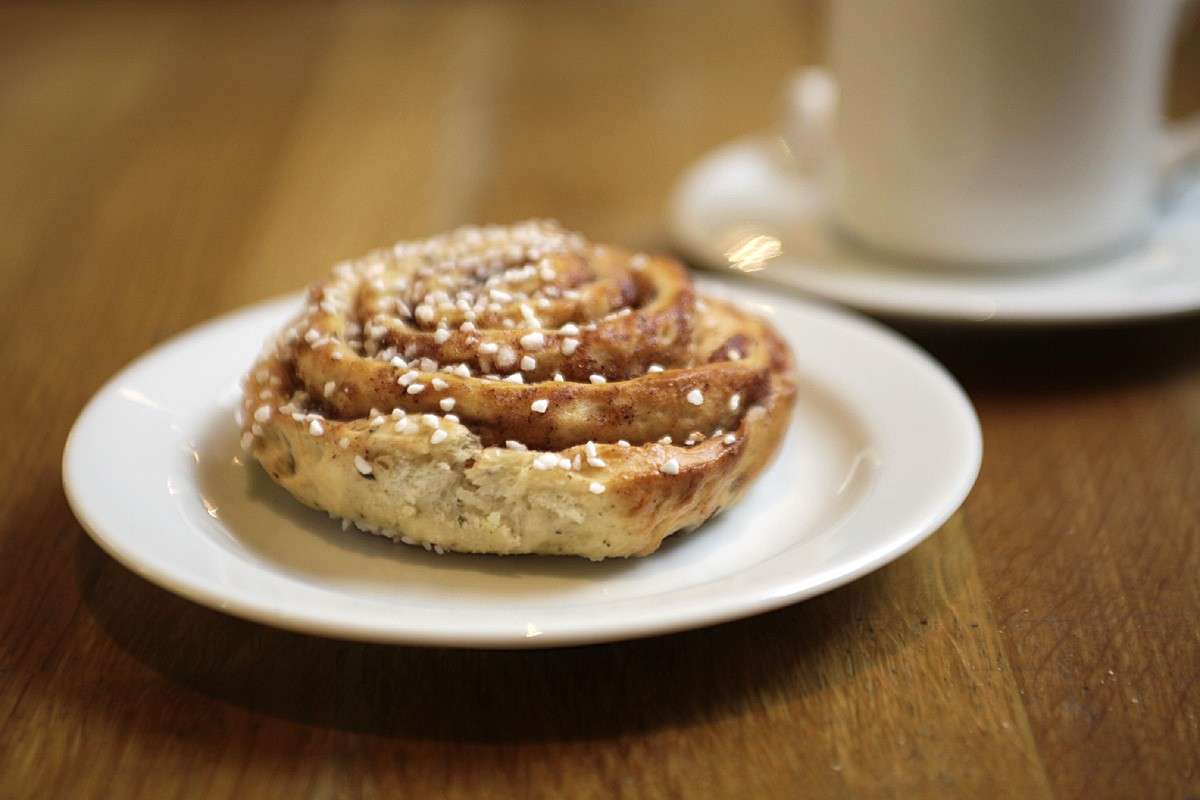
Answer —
746 189
883 448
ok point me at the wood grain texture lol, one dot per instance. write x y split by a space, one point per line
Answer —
164 163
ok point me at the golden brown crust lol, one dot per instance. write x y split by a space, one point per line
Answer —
690 399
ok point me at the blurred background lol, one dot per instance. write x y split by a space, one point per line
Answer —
281 137
278 138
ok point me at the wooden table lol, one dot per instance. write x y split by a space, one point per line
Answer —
160 164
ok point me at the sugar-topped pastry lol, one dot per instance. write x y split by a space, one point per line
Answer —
518 390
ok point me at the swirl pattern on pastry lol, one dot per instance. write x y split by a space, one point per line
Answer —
518 390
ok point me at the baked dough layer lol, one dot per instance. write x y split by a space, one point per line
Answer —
614 407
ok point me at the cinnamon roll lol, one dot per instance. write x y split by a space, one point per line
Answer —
518 390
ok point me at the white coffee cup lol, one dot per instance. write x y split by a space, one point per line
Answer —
996 132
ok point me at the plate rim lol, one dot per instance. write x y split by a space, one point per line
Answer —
872 302
892 546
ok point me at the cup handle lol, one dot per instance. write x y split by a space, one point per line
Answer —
1179 160
810 99
1179 145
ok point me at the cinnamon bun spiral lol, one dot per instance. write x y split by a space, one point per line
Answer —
518 390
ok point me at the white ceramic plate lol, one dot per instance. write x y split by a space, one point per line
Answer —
884 446
748 189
